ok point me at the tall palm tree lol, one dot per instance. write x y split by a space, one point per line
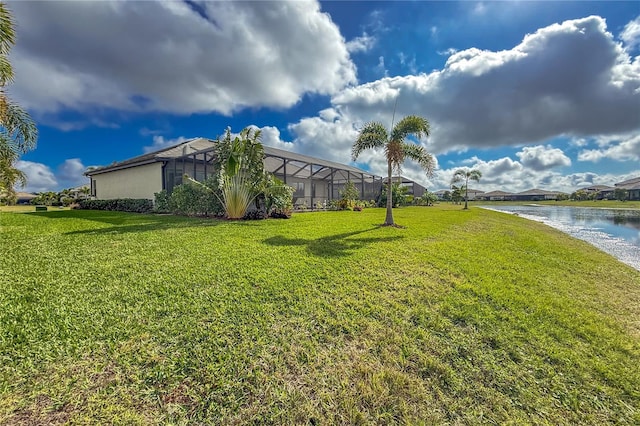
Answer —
466 175
18 132
396 150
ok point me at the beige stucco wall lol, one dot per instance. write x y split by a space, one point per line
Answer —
135 182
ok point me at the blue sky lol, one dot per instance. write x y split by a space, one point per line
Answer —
533 94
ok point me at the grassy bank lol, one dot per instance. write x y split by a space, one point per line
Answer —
463 317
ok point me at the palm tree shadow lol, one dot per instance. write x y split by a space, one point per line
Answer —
338 245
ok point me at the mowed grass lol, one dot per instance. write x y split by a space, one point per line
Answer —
463 317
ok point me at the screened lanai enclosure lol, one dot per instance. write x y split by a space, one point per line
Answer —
316 182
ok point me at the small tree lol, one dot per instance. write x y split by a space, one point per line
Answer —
620 194
456 194
348 196
428 199
396 149
398 196
466 175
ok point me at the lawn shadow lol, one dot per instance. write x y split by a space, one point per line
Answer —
126 222
338 245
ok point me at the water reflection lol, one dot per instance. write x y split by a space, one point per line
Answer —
614 231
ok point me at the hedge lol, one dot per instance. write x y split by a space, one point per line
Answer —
134 205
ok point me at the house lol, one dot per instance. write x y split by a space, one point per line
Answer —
473 194
600 191
316 181
413 188
632 186
24 197
536 195
496 196
441 193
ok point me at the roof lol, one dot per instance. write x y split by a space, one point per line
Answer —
633 183
598 188
497 193
538 192
297 164
175 151
25 195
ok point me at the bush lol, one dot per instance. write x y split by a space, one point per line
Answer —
161 202
193 200
133 205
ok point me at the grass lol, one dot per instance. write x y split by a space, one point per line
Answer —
463 317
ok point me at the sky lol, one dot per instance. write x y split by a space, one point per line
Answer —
533 94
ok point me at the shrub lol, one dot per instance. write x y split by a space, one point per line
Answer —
133 205
193 200
161 202
278 198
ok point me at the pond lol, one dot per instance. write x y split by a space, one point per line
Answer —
615 231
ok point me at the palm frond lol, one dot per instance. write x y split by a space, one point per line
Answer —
410 125
6 71
420 155
7 30
18 128
372 135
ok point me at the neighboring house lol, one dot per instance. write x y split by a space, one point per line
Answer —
315 180
440 193
536 195
24 197
473 194
601 191
632 186
413 188
496 196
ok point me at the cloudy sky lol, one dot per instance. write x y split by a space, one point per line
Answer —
533 94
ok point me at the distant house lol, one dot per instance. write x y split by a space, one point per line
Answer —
536 195
315 180
441 193
632 186
496 196
413 188
474 194
24 197
601 191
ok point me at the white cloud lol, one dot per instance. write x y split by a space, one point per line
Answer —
627 149
159 142
361 44
40 178
566 80
631 33
71 173
543 157
88 56
448 52
505 174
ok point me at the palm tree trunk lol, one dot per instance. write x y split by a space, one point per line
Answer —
466 194
389 219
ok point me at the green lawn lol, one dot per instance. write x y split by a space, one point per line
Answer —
463 317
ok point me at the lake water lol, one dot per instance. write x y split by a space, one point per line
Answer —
615 231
